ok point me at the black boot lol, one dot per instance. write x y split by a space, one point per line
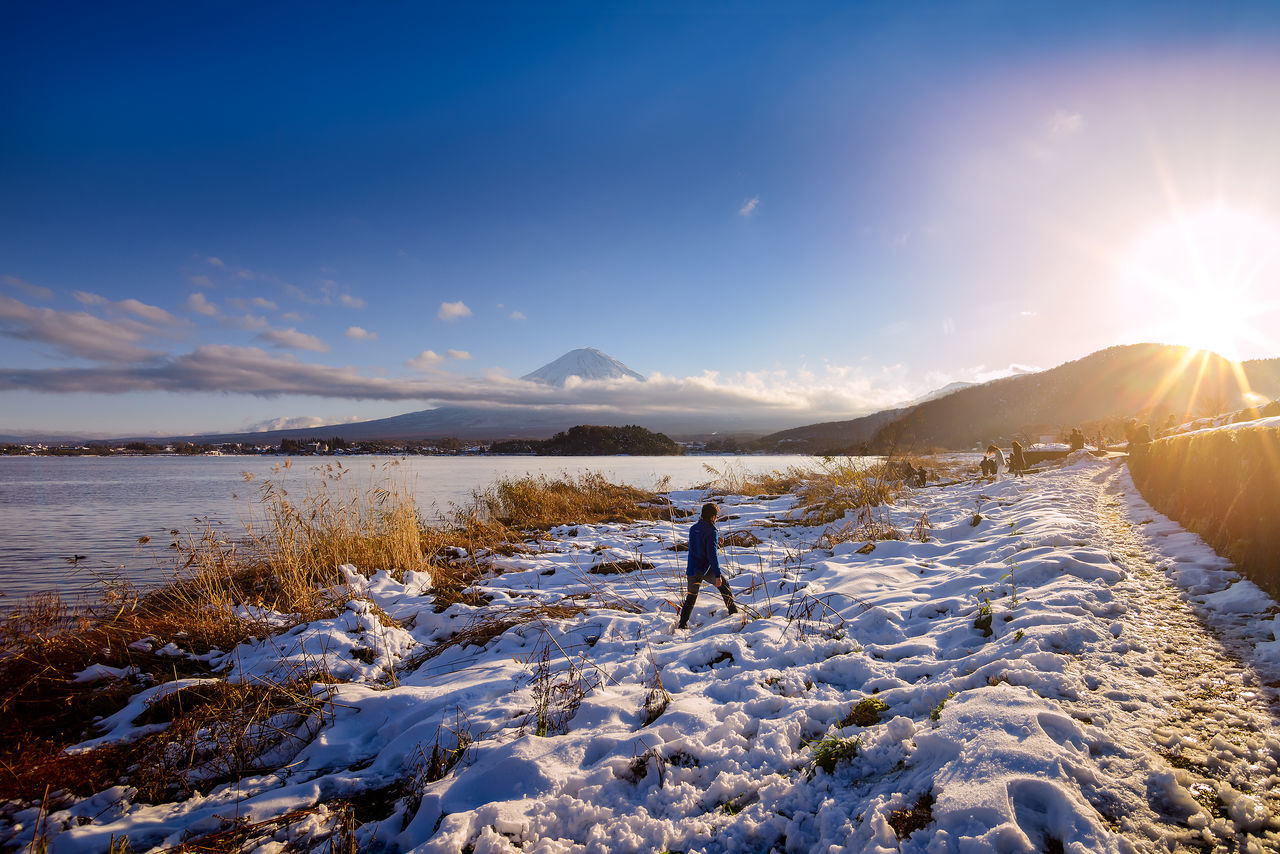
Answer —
727 595
687 609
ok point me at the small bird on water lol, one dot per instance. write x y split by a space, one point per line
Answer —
75 558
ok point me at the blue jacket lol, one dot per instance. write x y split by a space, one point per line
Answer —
702 549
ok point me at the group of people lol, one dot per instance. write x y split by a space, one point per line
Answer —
994 460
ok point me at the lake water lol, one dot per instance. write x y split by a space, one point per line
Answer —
53 509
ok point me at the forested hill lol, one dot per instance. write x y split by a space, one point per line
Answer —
1099 392
831 436
588 440
1151 382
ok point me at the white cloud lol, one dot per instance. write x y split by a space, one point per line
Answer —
74 333
292 339
749 206
201 281
85 298
1064 123
299 422
250 323
291 317
262 302
361 334
216 262
150 313
517 315
769 396
197 303
331 293
33 291
153 313
424 361
453 310
458 354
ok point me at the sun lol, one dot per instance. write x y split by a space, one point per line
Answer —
1204 278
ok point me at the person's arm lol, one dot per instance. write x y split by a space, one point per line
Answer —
708 544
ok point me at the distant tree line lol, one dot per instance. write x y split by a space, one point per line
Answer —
588 440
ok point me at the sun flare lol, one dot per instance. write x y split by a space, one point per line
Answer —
1203 277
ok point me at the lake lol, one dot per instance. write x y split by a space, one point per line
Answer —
53 509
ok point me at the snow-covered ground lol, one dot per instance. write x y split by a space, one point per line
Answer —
1032 672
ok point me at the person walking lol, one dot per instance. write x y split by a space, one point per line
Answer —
703 564
1017 462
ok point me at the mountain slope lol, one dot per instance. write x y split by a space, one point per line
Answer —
831 436
1100 391
1150 382
585 363
949 388
847 436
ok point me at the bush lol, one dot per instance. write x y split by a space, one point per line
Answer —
1223 484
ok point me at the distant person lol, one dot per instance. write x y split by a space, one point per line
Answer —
703 564
1076 439
1017 462
1140 440
922 477
997 460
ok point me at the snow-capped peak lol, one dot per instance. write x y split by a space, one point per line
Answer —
586 363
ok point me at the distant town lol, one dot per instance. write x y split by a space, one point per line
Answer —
337 446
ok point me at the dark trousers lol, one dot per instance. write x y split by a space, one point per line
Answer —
695 582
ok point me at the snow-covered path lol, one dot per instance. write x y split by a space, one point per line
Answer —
1047 665
1196 705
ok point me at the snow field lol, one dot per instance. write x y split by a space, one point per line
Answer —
1030 683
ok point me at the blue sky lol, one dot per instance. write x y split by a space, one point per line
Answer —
809 209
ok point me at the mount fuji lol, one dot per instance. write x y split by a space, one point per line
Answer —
522 422
585 363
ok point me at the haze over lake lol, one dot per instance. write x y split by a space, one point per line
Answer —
55 508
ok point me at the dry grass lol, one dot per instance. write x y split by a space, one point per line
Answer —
908 820
489 625
656 697
217 731
286 561
292 546
867 526
827 489
733 479
840 485
537 503
221 731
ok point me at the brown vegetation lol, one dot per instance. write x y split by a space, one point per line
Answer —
538 503
286 560
1224 484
